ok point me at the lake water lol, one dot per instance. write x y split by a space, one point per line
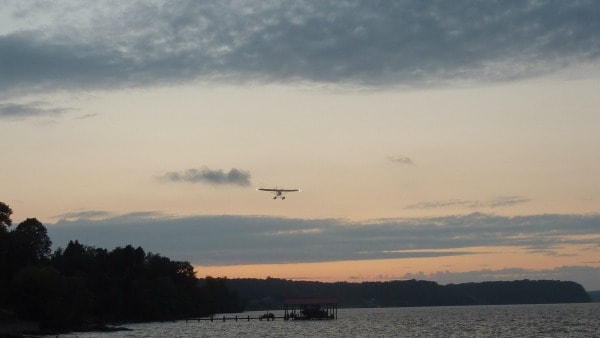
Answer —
553 320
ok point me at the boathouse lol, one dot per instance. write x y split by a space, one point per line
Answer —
310 308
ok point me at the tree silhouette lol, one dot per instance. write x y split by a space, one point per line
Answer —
43 294
5 212
81 286
5 222
33 242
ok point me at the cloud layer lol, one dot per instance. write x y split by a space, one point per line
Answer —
230 240
239 240
104 45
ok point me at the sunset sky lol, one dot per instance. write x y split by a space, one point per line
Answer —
452 141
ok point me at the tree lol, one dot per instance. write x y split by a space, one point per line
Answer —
5 222
5 212
32 238
42 294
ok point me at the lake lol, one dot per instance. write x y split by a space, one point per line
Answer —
548 320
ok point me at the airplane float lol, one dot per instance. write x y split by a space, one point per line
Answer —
278 192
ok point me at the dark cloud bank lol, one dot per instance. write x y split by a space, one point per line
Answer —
229 240
369 43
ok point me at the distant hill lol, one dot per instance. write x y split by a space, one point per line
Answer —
595 296
271 293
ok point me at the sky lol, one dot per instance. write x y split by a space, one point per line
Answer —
451 141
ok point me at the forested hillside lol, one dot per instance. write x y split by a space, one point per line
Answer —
271 293
82 286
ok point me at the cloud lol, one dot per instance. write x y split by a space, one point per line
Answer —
401 159
230 240
498 202
214 177
360 42
85 215
507 201
20 111
442 204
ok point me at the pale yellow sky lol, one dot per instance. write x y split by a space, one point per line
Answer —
536 140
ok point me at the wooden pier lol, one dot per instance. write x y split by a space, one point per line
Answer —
295 309
248 318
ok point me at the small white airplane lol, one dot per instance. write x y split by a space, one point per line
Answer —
278 192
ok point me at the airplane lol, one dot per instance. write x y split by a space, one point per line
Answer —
278 192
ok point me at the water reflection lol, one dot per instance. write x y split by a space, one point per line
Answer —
556 320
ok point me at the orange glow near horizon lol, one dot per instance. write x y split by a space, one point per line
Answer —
479 258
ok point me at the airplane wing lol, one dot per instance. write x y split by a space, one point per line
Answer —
280 190
288 190
263 189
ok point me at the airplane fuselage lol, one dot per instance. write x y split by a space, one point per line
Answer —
278 192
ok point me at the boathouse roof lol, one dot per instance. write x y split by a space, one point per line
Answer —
310 301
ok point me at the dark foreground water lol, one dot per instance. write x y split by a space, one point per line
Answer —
555 320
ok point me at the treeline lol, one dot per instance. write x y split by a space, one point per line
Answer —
82 286
595 296
271 293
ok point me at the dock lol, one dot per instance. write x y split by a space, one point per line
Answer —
311 308
295 309
248 318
